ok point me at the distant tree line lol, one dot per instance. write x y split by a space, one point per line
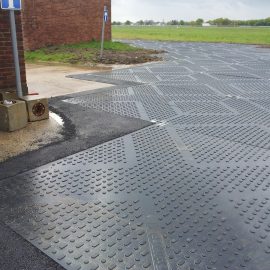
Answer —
228 22
200 22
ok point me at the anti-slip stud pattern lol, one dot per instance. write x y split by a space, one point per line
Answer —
189 192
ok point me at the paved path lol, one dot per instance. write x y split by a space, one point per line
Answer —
190 192
51 81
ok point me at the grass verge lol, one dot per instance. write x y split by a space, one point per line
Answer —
88 53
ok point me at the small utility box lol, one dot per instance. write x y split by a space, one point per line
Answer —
13 116
37 107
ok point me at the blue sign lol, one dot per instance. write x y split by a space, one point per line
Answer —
11 4
106 15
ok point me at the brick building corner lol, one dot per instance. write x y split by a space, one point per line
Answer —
53 22
7 69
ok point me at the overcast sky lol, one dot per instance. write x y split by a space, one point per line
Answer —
159 10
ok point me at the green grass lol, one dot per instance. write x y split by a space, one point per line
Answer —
240 35
88 52
42 55
75 53
108 45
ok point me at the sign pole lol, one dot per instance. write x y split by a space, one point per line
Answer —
15 53
105 18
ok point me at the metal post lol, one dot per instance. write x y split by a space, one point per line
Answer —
15 53
103 33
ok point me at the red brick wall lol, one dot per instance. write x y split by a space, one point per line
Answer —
54 22
7 70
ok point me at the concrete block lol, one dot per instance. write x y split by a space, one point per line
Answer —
14 116
37 107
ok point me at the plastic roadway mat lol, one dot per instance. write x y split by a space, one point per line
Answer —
188 193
